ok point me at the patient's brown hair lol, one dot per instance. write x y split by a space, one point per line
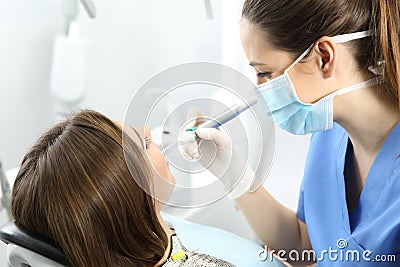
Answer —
74 188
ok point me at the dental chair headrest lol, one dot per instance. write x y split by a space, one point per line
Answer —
14 233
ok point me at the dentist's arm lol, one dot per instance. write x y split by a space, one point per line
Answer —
274 224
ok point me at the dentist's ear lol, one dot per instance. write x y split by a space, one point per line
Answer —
326 50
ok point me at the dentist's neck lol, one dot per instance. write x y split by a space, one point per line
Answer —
367 118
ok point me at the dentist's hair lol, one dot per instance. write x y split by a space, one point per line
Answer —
74 189
293 25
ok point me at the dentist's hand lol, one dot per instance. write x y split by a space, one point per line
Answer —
214 150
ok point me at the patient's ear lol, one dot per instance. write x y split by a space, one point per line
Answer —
326 50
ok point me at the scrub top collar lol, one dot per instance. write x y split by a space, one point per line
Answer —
377 179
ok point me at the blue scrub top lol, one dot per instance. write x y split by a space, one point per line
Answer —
370 235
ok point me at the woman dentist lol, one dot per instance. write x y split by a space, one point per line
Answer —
331 68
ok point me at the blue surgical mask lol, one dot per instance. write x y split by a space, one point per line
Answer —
278 98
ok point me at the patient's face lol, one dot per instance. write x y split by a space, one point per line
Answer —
156 157
163 180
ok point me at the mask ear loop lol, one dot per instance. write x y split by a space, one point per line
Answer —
352 88
376 70
303 55
343 38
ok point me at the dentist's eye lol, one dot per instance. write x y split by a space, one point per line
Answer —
264 75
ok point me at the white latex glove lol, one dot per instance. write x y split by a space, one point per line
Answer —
214 150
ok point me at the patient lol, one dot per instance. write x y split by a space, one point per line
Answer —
74 188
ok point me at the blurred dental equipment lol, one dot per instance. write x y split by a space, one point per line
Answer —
209 12
5 192
89 7
69 62
222 118
70 10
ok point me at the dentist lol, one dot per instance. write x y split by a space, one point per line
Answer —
331 68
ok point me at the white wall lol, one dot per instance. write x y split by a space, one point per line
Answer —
26 40
130 42
134 40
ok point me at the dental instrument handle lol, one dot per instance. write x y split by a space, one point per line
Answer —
227 115
222 118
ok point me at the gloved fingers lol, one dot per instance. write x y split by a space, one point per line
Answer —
187 142
188 145
221 140
188 156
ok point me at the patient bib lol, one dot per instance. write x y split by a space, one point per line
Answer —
221 244
180 256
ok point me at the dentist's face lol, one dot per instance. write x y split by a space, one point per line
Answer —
270 62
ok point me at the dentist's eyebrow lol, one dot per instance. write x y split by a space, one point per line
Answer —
255 63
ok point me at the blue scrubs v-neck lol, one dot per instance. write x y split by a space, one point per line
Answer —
372 232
